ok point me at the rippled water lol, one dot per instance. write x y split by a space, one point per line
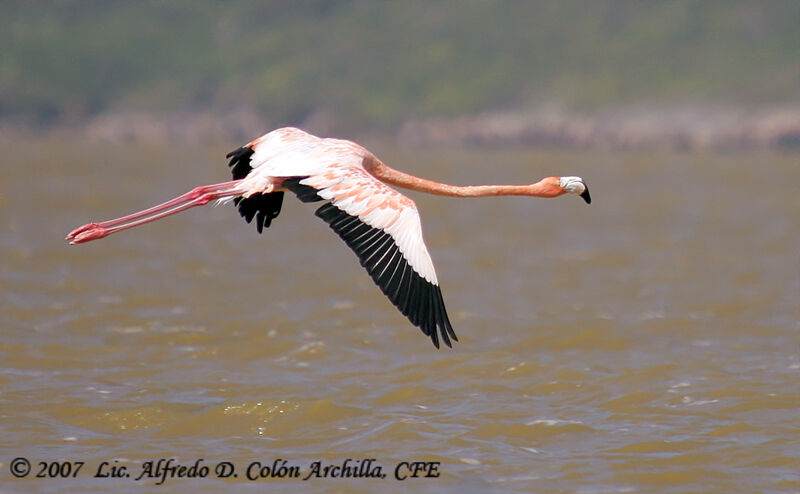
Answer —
648 342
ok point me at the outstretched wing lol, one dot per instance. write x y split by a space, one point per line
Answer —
381 225
383 228
263 207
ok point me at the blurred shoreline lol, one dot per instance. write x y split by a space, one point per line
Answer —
677 127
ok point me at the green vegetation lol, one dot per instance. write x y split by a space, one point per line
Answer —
375 63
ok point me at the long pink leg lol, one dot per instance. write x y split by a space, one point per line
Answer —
199 196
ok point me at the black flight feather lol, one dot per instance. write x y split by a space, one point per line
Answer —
420 301
263 207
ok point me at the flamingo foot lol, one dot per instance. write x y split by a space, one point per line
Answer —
74 233
87 233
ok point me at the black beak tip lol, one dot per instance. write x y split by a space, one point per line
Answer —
586 196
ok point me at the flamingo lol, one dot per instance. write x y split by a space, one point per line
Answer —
379 223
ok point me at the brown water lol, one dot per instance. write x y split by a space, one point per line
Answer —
649 342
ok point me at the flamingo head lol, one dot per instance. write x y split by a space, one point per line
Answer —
575 185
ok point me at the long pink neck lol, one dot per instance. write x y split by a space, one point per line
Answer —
547 187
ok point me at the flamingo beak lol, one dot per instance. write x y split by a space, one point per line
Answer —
585 195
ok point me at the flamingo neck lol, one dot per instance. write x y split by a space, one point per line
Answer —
547 187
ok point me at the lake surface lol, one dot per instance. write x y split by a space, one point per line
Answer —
649 342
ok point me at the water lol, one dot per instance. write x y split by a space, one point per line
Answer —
648 342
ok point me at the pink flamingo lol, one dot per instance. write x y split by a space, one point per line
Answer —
380 224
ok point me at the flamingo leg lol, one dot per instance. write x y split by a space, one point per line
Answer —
199 196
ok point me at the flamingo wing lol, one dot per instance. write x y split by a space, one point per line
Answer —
383 228
379 224
263 207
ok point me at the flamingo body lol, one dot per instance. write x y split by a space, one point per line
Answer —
381 225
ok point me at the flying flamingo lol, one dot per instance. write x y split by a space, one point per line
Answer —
380 224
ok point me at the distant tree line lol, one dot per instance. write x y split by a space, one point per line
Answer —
376 64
